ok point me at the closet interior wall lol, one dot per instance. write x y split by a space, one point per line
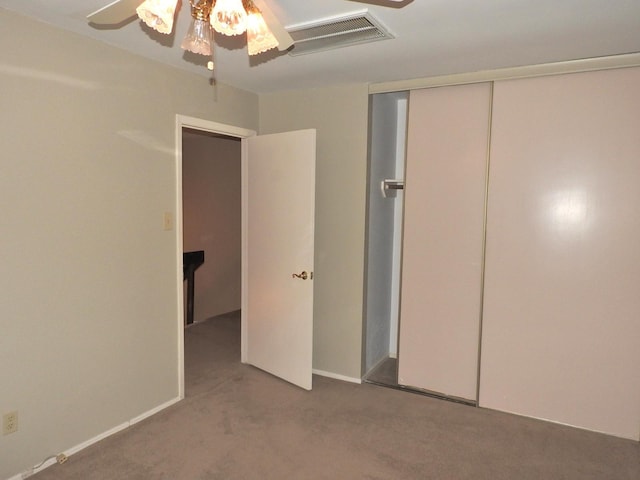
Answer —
387 140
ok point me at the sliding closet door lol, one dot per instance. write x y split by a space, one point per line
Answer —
443 239
561 329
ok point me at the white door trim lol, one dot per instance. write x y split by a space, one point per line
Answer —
183 121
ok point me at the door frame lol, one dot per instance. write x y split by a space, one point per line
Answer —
183 121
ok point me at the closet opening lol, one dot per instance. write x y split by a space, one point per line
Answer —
387 151
426 217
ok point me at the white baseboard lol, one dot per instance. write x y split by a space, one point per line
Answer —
52 460
337 376
153 411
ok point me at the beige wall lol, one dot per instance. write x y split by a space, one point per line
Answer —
340 116
211 221
88 286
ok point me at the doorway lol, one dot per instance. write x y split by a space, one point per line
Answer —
211 213
289 248
202 128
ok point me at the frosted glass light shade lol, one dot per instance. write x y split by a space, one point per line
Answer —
158 14
198 38
259 37
229 17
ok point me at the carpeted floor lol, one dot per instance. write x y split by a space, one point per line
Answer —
386 373
238 422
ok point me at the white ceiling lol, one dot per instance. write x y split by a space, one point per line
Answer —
432 37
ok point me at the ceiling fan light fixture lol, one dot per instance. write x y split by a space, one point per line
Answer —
229 17
198 38
259 37
158 14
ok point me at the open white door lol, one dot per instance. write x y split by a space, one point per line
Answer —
278 229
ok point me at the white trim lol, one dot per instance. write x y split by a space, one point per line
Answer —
183 121
97 438
244 222
337 376
543 69
81 446
214 127
180 122
153 411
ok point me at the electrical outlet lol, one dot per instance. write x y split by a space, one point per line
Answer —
10 423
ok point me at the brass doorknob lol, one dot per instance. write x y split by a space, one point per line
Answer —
303 275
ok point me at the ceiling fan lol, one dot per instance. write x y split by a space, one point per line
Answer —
228 17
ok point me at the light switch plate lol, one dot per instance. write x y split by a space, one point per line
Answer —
168 221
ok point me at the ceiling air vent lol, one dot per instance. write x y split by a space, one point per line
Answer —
336 32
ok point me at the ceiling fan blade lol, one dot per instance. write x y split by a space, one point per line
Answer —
115 12
284 39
